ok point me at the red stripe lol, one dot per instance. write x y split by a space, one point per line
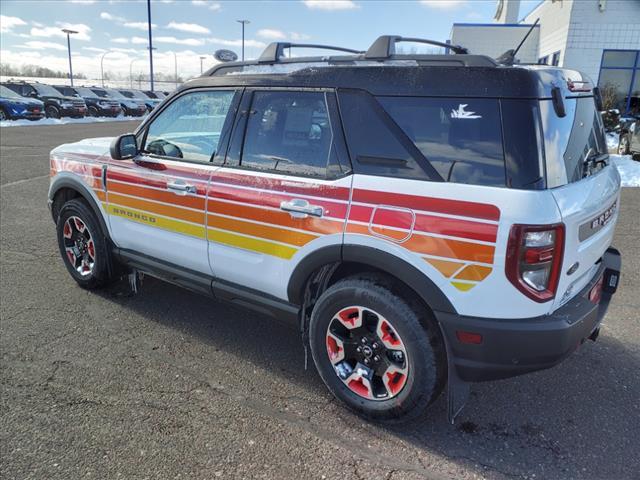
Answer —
192 172
440 205
427 223
284 186
272 199
150 181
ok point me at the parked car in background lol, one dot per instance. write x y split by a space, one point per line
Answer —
96 106
56 104
131 107
150 102
630 137
156 94
16 107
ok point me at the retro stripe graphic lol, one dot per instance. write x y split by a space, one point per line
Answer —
456 238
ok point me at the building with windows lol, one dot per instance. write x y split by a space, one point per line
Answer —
598 37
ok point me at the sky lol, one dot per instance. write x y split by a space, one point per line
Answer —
184 30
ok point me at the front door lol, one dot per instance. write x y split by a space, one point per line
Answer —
157 201
283 191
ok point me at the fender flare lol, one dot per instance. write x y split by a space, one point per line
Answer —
375 258
77 185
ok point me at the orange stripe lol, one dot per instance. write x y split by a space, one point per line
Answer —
439 247
262 231
100 194
311 224
474 272
444 267
168 197
169 211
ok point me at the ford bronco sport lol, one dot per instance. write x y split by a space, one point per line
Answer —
429 220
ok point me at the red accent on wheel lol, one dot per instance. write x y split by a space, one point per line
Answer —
395 382
388 335
79 224
349 315
333 348
71 257
66 231
91 249
359 387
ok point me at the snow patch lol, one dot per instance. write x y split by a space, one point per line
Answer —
628 168
613 139
66 120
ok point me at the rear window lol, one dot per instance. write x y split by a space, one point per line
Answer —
570 139
460 137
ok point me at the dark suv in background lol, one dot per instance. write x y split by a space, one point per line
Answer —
96 106
130 107
56 104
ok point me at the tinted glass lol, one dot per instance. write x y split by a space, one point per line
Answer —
612 58
46 90
374 148
288 132
615 84
85 92
461 138
568 140
190 126
7 93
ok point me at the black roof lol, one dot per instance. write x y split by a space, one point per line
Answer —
382 71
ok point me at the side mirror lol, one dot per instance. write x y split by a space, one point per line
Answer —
124 147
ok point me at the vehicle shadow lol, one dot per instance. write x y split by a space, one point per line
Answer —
577 420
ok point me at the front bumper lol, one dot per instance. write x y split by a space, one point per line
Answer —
73 111
513 347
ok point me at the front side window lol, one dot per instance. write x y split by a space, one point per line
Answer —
190 127
288 132
460 137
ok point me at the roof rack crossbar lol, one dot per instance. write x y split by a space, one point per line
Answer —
275 50
385 46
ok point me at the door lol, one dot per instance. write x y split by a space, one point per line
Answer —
157 201
283 191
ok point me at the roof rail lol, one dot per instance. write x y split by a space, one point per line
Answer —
275 50
385 46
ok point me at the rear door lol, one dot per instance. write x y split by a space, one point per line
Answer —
157 201
283 191
588 201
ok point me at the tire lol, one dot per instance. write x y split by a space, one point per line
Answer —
3 115
636 157
93 112
52 112
370 306
88 261
624 145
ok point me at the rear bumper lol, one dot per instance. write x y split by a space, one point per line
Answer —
518 346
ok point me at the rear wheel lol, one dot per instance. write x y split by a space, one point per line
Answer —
93 112
376 351
83 246
3 115
624 145
52 112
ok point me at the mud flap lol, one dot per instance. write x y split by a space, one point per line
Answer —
458 390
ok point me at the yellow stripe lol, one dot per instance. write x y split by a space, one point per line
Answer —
253 244
464 287
155 221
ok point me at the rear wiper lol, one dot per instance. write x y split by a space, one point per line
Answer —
591 160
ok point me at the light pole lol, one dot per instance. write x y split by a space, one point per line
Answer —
69 32
243 22
201 59
102 66
150 44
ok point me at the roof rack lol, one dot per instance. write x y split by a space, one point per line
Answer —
385 46
275 50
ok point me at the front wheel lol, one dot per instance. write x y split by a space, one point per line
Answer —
83 246
3 115
52 112
624 145
377 351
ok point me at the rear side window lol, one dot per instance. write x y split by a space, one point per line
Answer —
288 132
460 137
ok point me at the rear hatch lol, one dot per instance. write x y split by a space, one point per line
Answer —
585 186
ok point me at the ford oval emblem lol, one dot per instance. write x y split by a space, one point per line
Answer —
225 55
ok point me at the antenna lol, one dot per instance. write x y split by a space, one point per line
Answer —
509 57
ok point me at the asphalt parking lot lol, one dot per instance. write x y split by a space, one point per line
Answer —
168 384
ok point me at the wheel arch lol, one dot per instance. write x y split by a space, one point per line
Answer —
349 259
66 187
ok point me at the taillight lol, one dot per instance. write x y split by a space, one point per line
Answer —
534 259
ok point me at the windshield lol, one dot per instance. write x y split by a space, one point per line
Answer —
8 93
85 92
115 94
570 140
158 95
46 90
133 94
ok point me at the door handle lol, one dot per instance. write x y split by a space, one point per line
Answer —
299 208
179 187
